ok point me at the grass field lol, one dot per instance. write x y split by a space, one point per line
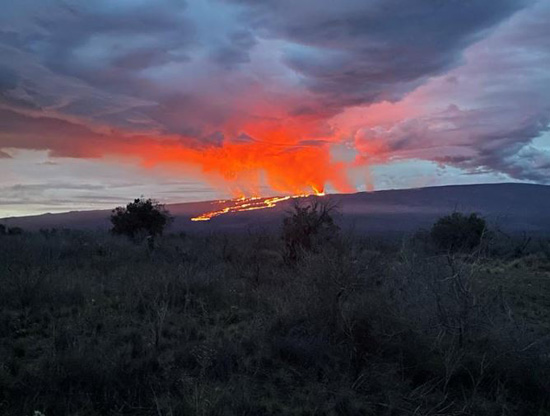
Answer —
94 324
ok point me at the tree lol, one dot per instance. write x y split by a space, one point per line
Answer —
458 232
308 225
15 231
141 217
2 229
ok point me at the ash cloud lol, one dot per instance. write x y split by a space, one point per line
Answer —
85 79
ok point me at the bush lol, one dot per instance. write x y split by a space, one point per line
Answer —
143 216
15 231
458 232
92 325
308 225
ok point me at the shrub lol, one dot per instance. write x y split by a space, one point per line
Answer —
15 231
308 225
357 327
143 216
458 232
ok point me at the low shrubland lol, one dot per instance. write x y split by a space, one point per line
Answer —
257 324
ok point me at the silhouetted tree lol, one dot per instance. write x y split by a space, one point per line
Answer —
307 225
15 231
2 229
145 217
458 232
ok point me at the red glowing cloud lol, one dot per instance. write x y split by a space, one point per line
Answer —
268 154
258 94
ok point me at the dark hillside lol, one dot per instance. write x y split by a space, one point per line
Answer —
514 207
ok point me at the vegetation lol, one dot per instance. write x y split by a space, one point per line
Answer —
308 227
15 231
10 231
143 217
95 324
458 232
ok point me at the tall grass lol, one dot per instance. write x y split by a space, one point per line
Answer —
223 325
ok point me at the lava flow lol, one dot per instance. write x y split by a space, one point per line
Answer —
248 204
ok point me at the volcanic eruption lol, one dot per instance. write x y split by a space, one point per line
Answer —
249 204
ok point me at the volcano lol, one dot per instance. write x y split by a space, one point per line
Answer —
512 207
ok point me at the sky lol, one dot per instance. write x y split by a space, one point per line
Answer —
105 101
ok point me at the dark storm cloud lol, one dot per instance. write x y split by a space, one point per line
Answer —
99 46
360 51
96 40
346 53
488 140
235 50
63 138
8 79
497 111
58 136
75 74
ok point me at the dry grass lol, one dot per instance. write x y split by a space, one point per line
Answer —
93 324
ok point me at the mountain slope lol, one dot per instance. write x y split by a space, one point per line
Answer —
514 207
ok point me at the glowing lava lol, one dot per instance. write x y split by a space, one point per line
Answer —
249 204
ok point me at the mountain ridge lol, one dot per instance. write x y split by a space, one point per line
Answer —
512 206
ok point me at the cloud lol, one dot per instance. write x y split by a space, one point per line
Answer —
474 140
235 50
243 88
359 52
48 186
482 116
348 53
